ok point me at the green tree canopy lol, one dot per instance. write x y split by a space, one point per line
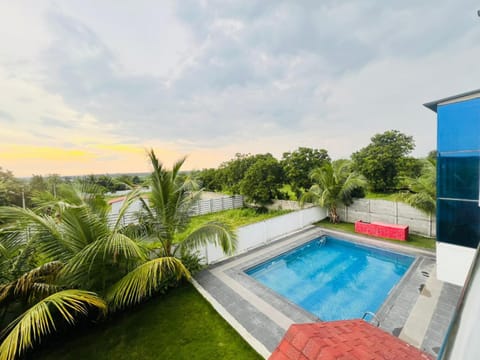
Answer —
210 179
262 180
298 165
384 159
232 172
10 189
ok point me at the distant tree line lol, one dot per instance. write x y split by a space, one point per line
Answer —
20 192
385 165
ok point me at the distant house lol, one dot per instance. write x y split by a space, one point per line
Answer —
458 183
116 205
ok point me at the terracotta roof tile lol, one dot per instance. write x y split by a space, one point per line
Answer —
343 340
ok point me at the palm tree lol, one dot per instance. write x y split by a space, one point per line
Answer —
43 317
421 192
36 247
66 257
333 183
167 217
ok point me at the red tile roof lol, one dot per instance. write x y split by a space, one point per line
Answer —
121 198
343 340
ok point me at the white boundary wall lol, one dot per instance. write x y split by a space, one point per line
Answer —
391 212
261 233
200 207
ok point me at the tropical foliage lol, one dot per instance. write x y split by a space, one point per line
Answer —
66 259
384 160
421 191
298 164
262 180
333 183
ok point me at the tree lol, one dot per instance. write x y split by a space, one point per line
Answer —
53 181
37 183
262 180
383 159
298 165
10 189
432 156
168 215
39 246
232 172
65 258
333 183
210 179
421 191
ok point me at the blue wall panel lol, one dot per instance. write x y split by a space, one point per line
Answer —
459 126
458 173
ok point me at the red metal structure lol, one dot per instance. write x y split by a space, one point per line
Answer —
389 231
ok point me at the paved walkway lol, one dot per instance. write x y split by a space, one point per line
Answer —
418 309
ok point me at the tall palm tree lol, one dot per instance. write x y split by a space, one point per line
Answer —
37 246
167 217
66 257
333 183
422 192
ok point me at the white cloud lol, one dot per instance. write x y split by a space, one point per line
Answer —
216 77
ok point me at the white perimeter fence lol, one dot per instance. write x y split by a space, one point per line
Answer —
200 207
261 233
391 212
208 206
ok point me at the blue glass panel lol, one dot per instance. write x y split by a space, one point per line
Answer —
458 222
458 176
459 126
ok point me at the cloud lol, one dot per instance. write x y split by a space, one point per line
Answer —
6 117
51 122
215 78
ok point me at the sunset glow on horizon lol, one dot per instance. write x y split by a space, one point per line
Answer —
84 94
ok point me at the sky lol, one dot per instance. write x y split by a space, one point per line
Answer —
87 87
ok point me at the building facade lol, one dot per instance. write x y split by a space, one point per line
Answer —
458 184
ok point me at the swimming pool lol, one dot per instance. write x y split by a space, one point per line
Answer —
332 278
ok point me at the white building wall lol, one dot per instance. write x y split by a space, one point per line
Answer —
462 340
453 262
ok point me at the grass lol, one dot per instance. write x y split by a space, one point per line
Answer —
236 217
178 325
382 196
413 239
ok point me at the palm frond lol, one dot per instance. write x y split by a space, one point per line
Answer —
20 219
215 233
144 281
110 248
129 200
38 321
32 280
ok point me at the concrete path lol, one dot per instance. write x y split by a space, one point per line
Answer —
421 315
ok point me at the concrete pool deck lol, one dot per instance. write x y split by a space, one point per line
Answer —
418 310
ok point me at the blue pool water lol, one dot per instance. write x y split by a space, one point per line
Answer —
334 279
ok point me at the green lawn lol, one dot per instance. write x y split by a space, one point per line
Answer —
382 196
236 217
178 325
413 240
